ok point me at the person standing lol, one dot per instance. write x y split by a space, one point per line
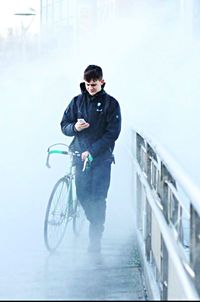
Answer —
93 117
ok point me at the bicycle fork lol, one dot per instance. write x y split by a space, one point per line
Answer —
69 199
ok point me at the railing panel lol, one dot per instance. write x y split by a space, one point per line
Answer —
175 288
156 242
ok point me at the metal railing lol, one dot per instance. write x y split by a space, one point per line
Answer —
167 222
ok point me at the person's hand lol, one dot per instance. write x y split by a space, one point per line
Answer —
84 155
81 125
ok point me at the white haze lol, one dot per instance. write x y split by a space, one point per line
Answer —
151 66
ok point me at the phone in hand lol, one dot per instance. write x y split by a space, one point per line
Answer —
81 120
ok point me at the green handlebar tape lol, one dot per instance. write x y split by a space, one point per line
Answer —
90 158
57 151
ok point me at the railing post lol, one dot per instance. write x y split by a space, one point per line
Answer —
148 232
138 203
195 246
164 270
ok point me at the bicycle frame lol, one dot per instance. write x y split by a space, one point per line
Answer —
70 175
70 199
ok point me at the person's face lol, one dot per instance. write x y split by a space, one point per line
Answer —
93 86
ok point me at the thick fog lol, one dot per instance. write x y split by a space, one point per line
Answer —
150 59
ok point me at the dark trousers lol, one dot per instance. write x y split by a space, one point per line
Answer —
92 188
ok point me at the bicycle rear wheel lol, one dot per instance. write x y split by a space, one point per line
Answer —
57 214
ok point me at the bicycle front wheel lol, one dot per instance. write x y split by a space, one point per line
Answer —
57 214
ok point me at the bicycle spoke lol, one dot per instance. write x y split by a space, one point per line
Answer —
78 219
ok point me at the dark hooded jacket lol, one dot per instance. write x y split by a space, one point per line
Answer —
102 112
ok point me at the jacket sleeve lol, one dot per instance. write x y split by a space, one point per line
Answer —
112 131
69 119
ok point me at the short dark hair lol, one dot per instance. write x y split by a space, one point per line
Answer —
93 72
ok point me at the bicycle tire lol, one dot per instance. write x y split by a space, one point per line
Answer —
78 219
57 214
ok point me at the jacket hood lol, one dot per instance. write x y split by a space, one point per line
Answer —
83 88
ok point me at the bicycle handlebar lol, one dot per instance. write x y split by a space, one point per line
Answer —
56 151
86 163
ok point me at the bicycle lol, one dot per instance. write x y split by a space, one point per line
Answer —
63 205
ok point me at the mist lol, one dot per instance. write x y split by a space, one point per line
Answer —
150 60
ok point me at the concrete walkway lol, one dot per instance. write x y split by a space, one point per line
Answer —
71 273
